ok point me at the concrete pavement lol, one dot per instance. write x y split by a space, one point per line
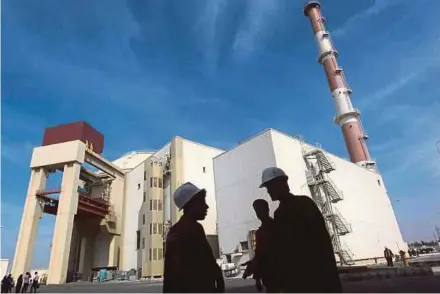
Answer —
423 284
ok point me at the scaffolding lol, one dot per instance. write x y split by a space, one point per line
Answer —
325 194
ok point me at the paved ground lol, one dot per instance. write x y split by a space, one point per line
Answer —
425 284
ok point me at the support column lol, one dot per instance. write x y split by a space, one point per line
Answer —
113 250
67 208
32 213
176 174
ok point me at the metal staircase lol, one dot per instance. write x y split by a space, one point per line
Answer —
340 224
325 194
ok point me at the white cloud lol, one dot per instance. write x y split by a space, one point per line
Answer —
415 150
409 69
207 26
359 19
260 14
17 152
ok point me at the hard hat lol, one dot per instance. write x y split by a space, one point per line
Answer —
185 193
271 173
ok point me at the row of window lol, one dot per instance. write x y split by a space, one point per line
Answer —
156 204
156 254
153 253
156 228
156 182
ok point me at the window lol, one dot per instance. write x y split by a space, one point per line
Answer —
155 228
155 182
155 254
149 254
151 204
204 169
151 228
138 239
143 243
160 228
139 186
378 182
143 219
145 175
151 182
159 205
154 204
145 196
160 182
160 253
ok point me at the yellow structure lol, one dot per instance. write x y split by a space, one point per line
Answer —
116 216
82 216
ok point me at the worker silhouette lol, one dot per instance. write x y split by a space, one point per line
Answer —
388 254
190 265
302 246
261 266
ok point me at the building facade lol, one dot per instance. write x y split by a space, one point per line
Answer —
178 162
353 199
116 214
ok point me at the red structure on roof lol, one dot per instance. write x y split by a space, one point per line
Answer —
74 131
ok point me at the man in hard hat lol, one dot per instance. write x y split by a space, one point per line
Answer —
262 264
190 265
300 227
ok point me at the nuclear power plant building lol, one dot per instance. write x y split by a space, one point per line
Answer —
352 199
116 214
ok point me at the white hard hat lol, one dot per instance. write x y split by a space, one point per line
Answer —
271 173
185 193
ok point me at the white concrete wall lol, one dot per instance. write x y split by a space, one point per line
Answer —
162 151
133 202
195 158
132 159
237 180
101 249
58 154
366 205
4 267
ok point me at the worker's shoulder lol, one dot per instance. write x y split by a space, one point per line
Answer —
184 229
305 202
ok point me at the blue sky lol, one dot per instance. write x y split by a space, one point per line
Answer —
218 72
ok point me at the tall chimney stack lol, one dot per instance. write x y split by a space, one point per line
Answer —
347 117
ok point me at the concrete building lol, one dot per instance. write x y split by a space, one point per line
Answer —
116 215
4 267
353 199
150 209
111 215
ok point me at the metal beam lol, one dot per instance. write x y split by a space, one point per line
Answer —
103 164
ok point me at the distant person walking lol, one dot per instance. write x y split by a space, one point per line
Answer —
190 265
261 266
300 227
10 283
35 283
19 284
5 284
388 254
26 281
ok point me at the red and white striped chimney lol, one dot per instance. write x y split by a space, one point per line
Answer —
347 117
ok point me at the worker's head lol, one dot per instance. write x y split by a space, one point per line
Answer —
275 181
261 208
192 200
197 208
